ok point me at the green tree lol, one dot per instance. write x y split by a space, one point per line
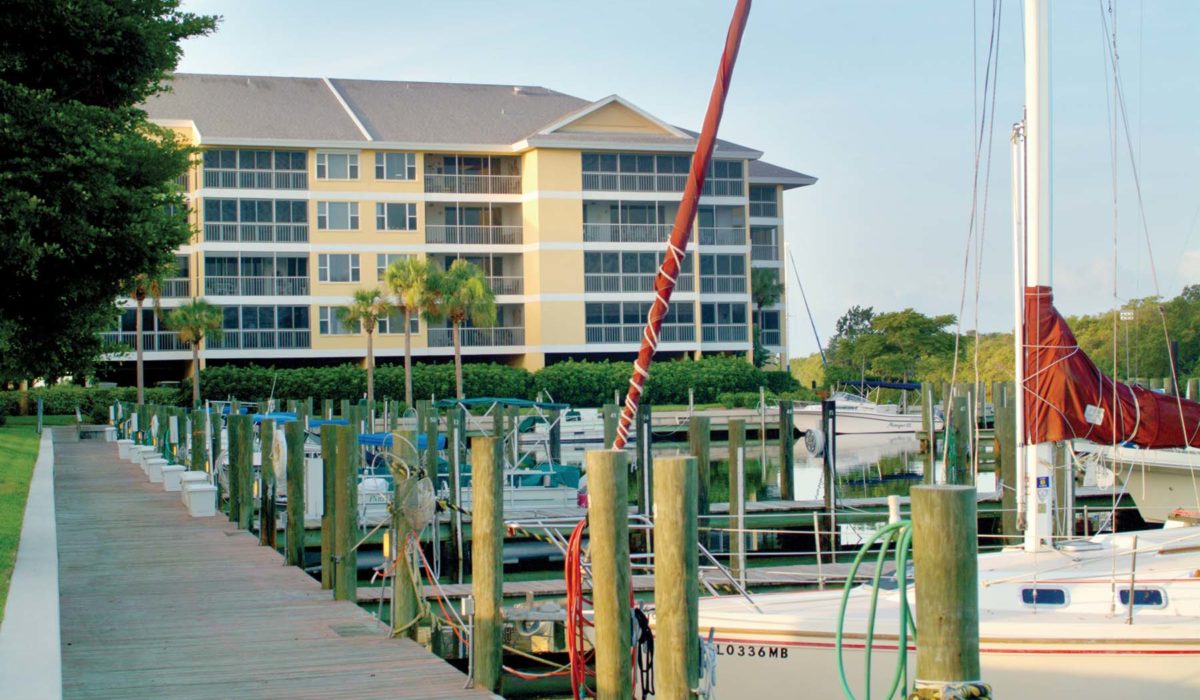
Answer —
194 322
87 185
367 307
463 296
765 290
409 280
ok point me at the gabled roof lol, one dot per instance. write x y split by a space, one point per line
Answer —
602 103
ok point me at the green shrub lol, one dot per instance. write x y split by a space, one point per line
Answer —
583 383
801 394
3 412
779 381
741 399
92 402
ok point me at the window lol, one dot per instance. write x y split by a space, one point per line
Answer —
330 324
337 267
293 317
289 211
220 210
723 274
763 201
1145 597
337 216
337 166
394 324
255 169
1044 596
395 166
395 216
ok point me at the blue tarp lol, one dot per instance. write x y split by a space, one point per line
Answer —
879 384
385 440
278 417
489 400
318 422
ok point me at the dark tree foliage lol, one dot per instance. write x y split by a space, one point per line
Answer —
87 186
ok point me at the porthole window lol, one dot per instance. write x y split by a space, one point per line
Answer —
1044 596
1145 597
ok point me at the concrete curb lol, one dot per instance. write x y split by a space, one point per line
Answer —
30 646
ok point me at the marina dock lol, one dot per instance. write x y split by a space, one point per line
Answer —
157 604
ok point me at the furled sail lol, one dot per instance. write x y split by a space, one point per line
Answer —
1067 396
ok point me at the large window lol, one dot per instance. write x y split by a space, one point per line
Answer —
337 216
393 324
723 274
396 216
255 169
395 166
764 242
624 322
646 172
384 260
331 324
723 322
763 201
628 272
337 267
337 166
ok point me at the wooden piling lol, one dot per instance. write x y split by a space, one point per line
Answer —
487 558
787 452
458 443
405 597
945 559
1006 458
327 409
345 559
737 497
698 442
961 453
930 433
644 484
266 485
242 453
555 418
197 461
676 579
608 528
294 554
345 407
609 412
328 522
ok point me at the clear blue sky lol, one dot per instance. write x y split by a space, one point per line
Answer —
877 99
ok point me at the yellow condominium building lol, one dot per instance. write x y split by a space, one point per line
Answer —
308 188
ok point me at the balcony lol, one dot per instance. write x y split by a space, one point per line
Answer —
256 286
506 285
764 251
723 235
723 188
764 209
634 182
722 285
631 283
478 337
626 233
723 334
473 184
152 341
288 339
176 287
771 337
256 233
633 334
232 178
473 235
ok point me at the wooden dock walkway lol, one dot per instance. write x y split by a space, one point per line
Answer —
156 604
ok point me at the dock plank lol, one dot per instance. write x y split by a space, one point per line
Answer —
157 604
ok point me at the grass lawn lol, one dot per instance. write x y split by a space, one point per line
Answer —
31 421
18 451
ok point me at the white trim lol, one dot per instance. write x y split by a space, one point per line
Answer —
606 101
349 112
591 145
30 638
803 181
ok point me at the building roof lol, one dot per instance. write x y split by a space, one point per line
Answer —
268 110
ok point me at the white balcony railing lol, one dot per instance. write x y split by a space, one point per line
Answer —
473 235
176 287
722 285
771 337
626 233
613 284
764 209
256 286
255 179
256 233
723 235
264 339
152 341
473 184
723 334
506 285
478 337
634 182
724 188
671 333
764 251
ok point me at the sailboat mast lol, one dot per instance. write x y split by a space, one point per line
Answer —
1038 459
1018 252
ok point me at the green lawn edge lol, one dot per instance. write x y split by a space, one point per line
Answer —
18 453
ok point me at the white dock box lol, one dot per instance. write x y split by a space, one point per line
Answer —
170 476
123 447
154 469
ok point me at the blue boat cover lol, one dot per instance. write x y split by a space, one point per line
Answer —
880 384
385 440
489 400
318 422
278 417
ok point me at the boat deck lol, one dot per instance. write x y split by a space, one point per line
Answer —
156 604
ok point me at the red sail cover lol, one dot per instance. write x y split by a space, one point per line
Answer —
1068 397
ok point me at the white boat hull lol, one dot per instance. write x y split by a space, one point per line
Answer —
859 423
1159 481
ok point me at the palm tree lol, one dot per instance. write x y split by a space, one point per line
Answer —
463 294
195 321
765 290
145 284
367 307
409 280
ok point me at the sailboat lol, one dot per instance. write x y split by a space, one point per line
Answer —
1111 616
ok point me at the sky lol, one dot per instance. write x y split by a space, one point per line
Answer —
878 100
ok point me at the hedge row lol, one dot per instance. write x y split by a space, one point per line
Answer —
92 402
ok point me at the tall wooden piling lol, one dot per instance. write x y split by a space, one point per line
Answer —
328 522
1004 401
929 432
457 420
608 528
961 448
555 417
294 433
737 497
945 529
677 576
345 410
1193 389
487 558
266 485
345 559
610 414
644 483
197 460
327 409
242 453
787 452
698 441
405 598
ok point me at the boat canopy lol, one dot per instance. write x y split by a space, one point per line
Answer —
385 440
318 422
279 417
1067 396
880 384
490 400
